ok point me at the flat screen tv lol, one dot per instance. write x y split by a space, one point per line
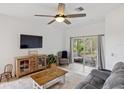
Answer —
30 41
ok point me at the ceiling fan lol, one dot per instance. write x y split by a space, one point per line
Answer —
61 17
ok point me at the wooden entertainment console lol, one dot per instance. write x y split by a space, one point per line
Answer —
29 64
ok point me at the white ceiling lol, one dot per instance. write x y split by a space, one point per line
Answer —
95 11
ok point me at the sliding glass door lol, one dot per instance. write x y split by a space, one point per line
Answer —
84 50
90 58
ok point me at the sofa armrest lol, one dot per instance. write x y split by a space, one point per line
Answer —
106 70
103 74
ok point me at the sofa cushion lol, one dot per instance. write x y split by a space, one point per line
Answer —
116 79
94 80
102 74
117 66
81 85
119 87
89 86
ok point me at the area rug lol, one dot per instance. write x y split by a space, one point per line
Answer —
72 79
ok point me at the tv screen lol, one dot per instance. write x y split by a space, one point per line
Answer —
30 41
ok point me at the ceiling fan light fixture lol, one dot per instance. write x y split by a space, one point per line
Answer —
60 19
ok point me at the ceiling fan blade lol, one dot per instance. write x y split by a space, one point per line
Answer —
67 22
75 15
44 15
61 8
52 21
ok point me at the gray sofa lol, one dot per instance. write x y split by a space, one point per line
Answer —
105 79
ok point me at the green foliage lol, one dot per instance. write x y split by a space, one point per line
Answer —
78 46
89 44
51 59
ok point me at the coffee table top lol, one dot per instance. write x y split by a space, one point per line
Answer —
47 75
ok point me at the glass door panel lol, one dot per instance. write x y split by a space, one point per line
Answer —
90 51
78 50
84 51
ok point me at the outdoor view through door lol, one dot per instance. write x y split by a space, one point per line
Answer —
84 50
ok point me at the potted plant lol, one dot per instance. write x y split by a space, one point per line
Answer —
52 61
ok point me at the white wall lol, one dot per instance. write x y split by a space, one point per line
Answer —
114 33
10 30
91 29
56 38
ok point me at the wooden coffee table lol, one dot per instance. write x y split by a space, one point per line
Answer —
47 78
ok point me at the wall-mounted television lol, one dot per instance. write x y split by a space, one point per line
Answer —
30 41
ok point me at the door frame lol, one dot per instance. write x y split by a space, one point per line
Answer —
71 47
